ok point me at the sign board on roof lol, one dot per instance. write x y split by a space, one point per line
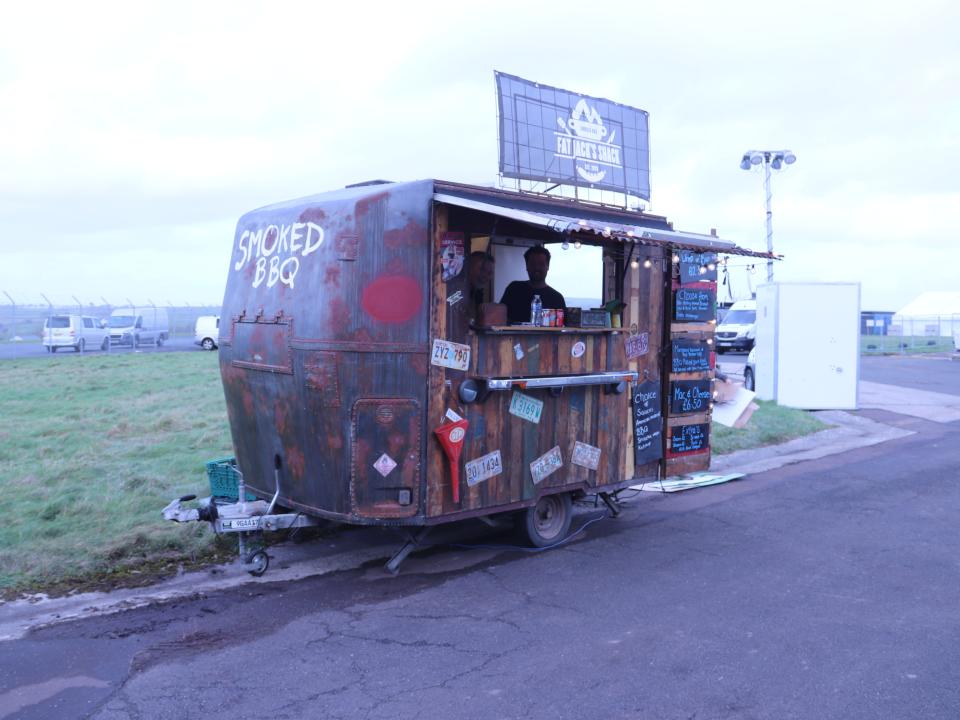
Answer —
557 136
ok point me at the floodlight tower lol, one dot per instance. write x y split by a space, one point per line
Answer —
775 159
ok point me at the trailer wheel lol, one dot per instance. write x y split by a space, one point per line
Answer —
207 344
547 522
258 561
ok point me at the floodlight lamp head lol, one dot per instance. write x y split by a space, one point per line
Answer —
755 157
788 157
776 162
745 163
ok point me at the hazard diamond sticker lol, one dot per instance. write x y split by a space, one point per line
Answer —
384 464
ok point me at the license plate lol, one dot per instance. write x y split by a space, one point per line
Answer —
586 456
450 355
546 465
484 468
242 524
526 407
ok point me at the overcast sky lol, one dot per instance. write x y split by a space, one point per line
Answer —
133 135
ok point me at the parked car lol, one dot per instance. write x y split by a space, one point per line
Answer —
138 326
750 371
74 331
206 332
739 327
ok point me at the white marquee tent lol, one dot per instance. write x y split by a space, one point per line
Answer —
929 314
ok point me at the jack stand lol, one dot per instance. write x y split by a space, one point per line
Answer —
412 543
610 503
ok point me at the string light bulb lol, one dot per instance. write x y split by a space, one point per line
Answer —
703 270
634 263
647 263
676 258
566 245
577 244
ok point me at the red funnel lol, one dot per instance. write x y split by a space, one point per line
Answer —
451 437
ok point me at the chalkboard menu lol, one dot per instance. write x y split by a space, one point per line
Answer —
690 396
647 423
690 356
693 304
689 438
692 262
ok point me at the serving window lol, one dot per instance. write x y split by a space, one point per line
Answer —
588 271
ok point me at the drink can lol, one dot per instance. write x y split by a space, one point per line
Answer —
548 318
559 318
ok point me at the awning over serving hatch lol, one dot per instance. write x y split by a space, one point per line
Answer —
653 232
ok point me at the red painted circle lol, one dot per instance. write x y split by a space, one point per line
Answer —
392 298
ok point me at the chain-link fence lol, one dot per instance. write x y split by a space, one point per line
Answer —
26 322
914 334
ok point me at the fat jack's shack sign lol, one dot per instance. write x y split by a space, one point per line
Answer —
556 136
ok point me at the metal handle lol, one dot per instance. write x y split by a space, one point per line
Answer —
553 381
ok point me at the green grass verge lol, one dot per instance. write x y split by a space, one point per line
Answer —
91 450
769 425
910 344
93 447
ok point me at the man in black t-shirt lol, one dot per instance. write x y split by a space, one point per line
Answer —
519 294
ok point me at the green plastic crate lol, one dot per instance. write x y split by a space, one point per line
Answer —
224 480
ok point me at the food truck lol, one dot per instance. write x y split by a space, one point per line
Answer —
368 382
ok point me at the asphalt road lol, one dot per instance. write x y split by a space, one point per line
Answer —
9 351
824 590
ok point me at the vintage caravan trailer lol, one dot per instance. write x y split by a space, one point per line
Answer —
370 379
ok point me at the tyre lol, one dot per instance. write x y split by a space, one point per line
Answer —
81 344
160 341
136 341
105 345
53 348
258 561
207 344
547 522
49 348
748 379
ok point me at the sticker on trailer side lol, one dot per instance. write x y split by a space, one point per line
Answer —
450 355
484 468
385 464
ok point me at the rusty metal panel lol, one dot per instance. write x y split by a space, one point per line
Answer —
262 346
385 439
330 301
321 371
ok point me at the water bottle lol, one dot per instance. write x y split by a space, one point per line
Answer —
536 311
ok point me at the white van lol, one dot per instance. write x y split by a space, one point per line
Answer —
738 330
139 326
206 333
79 332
